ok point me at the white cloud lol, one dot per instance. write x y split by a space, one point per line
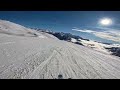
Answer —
108 33
108 36
87 31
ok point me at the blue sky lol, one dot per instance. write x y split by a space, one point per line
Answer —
64 21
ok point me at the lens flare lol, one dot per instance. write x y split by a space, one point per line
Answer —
106 21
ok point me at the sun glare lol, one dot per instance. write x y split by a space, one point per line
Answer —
105 21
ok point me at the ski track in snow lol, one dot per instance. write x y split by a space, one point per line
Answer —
6 43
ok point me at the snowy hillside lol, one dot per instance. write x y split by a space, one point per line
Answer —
7 27
42 56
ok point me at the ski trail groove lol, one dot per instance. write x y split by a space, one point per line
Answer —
42 65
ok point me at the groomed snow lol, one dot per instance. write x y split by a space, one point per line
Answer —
45 58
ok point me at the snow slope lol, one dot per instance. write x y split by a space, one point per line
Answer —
24 57
7 27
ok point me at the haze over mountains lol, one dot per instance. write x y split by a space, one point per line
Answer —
29 54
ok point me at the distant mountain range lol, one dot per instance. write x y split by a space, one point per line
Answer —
63 36
115 51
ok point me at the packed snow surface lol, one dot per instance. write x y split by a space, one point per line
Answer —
45 57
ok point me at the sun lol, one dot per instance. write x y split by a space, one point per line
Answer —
105 21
